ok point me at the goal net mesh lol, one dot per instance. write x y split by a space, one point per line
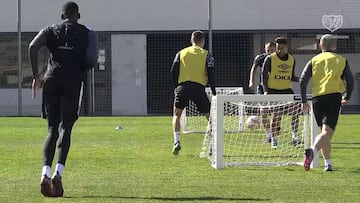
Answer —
191 119
227 144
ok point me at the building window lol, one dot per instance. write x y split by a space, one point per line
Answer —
303 44
9 68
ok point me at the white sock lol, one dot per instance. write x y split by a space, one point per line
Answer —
327 162
46 171
294 135
59 168
268 132
176 136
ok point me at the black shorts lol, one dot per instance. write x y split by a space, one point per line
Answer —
194 92
326 109
285 91
61 100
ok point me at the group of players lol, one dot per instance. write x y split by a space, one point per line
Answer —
277 72
73 51
332 84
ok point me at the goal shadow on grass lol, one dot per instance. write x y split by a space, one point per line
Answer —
175 199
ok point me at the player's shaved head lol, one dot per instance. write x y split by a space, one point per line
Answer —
270 44
198 37
328 42
70 10
269 47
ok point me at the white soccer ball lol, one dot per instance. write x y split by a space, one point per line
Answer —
253 122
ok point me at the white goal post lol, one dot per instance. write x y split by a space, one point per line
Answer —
247 147
192 121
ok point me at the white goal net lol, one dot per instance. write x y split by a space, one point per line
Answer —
280 121
191 119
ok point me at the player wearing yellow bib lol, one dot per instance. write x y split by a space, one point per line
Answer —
278 73
192 70
331 77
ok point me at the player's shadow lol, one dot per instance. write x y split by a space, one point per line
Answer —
175 199
357 171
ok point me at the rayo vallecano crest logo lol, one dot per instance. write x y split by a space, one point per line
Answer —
332 22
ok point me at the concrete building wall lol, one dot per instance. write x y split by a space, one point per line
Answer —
140 15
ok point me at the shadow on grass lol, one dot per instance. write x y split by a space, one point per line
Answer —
346 145
179 199
357 171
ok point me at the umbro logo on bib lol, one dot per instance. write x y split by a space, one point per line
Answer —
284 67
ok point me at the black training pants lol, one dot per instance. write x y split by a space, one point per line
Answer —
62 98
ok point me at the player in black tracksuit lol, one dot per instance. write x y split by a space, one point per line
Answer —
73 51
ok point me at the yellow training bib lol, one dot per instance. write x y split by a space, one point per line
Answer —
281 72
193 65
327 69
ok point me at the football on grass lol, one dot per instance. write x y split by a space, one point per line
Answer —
253 122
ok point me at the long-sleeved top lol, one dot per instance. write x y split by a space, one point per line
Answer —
308 73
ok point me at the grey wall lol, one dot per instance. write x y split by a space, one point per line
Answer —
129 74
138 15
9 102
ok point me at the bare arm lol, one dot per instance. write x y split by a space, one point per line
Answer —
34 48
252 71
252 75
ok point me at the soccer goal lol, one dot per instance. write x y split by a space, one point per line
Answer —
192 121
228 148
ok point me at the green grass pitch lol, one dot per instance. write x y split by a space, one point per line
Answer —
135 165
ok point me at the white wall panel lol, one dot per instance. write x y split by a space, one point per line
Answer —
139 15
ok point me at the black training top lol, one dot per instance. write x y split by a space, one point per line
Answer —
73 50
